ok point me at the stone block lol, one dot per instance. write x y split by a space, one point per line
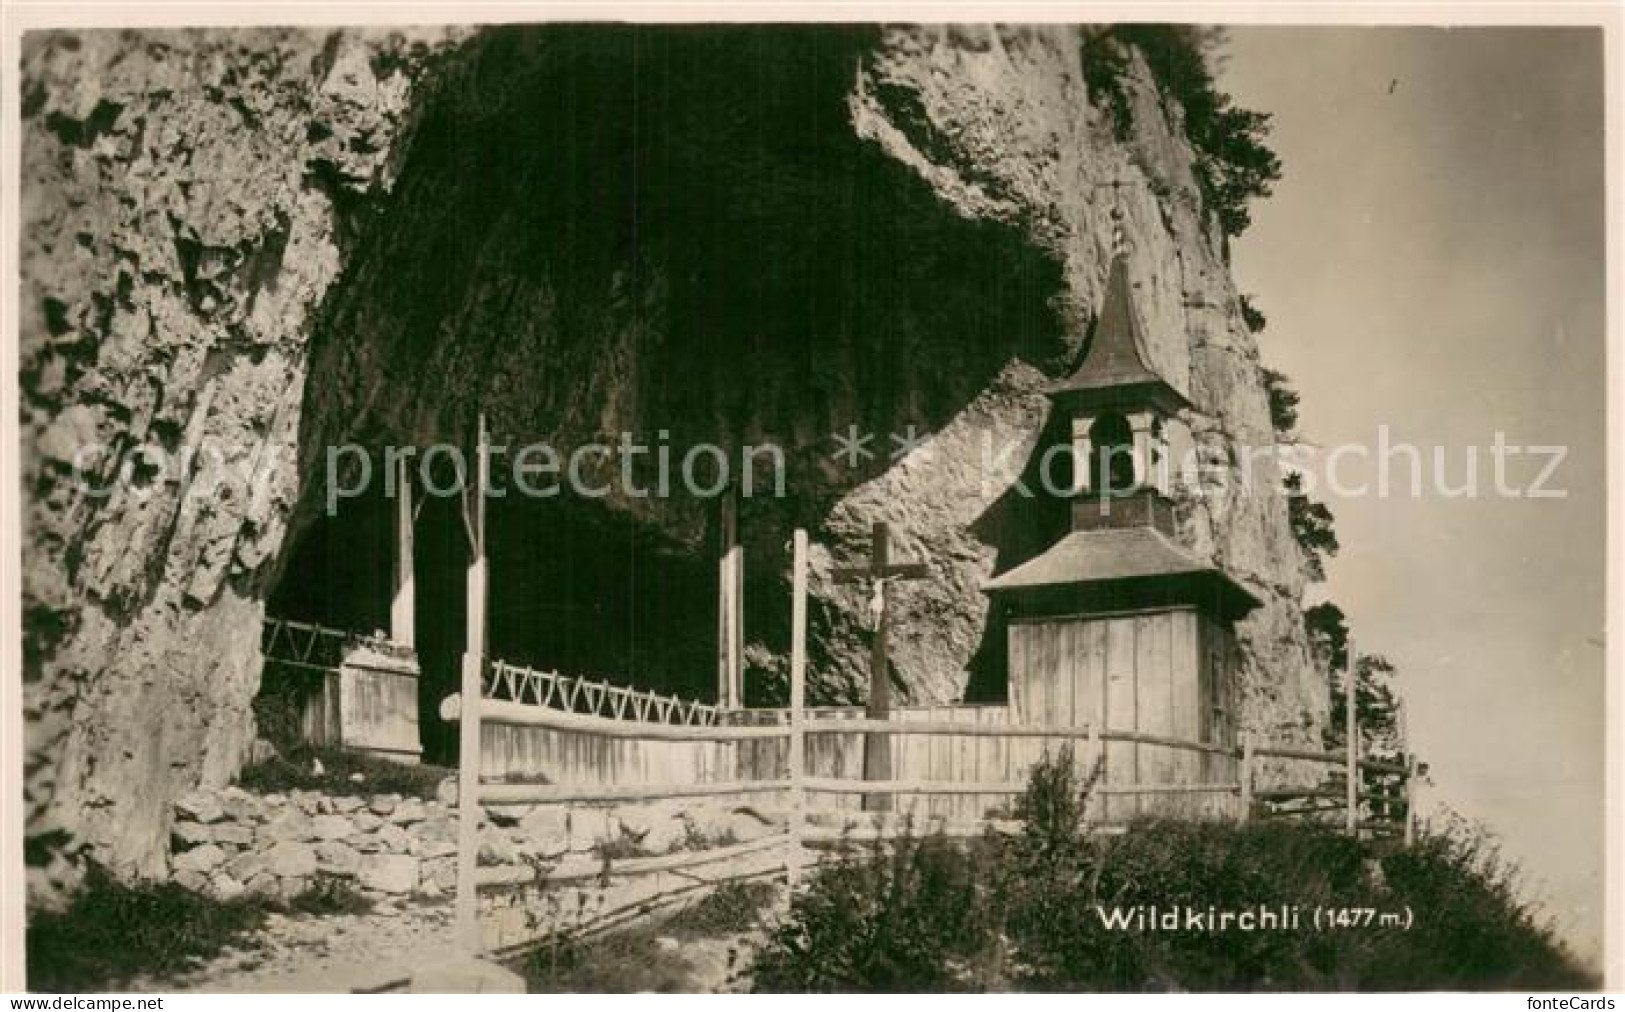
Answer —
338 858
200 806
389 873
331 827
291 824
201 859
191 834
409 811
291 859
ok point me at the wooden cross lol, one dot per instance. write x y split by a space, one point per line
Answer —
877 744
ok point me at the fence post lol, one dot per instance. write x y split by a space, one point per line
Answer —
798 710
1351 730
468 739
1096 809
1246 776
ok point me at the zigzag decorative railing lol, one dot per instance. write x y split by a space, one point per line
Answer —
288 643
513 683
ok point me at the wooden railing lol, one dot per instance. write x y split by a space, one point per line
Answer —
593 698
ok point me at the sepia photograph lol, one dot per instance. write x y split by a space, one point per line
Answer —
569 500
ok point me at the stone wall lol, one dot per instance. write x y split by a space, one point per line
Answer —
230 842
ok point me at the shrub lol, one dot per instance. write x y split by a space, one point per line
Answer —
908 917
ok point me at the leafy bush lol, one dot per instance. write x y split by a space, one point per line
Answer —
1313 526
905 918
1029 911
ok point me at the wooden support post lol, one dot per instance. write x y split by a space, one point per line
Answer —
880 573
737 654
403 607
1095 810
1246 776
468 757
795 855
730 608
1351 729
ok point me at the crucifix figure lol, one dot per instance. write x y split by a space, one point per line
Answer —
877 744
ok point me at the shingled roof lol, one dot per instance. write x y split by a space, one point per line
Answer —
1129 557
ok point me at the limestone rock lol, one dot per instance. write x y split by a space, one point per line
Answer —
292 824
224 887
192 833
200 859
389 873
338 858
409 811
200 806
240 805
234 834
496 847
393 839
384 804
331 827
291 859
446 792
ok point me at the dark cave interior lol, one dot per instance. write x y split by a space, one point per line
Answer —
571 190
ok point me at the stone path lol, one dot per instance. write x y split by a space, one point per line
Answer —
395 947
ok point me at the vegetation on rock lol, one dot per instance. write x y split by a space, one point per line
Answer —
341 772
1233 165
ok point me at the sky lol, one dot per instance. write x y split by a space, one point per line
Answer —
1432 261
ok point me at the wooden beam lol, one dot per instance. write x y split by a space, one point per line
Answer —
833 785
502 711
535 794
513 875
403 606
468 757
794 856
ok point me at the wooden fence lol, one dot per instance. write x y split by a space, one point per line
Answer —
953 760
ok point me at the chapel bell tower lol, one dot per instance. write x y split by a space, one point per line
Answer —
1117 625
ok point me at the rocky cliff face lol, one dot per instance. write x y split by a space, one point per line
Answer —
251 245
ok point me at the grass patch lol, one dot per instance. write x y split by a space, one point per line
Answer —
634 960
115 931
1025 912
291 771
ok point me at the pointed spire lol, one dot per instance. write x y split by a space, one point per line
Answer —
1115 360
